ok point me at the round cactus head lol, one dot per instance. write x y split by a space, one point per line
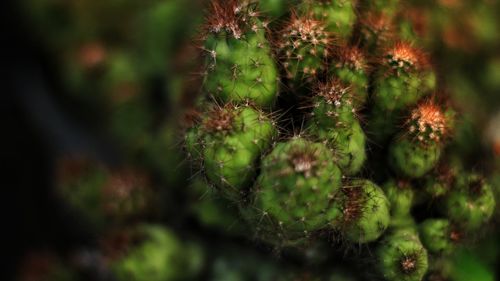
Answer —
333 105
361 211
439 236
304 47
427 124
402 57
227 143
471 203
334 121
401 256
294 190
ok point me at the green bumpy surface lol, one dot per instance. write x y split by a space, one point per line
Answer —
242 69
398 247
348 145
229 157
435 235
412 160
295 188
471 202
159 257
361 211
401 196
338 15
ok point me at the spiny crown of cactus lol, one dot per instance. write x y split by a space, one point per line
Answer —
304 46
427 123
294 190
402 57
402 257
333 101
239 66
232 18
304 161
351 57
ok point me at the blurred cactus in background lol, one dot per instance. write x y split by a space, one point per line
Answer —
265 140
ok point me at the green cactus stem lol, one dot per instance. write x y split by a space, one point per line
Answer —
401 256
334 122
275 9
338 15
333 105
229 141
439 236
417 151
239 65
360 211
471 203
294 190
304 47
348 146
401 196
351 68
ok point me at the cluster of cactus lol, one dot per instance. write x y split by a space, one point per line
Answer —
300 122
323 133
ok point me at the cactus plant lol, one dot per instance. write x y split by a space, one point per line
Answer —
295 167
228 141
239 64
334 121
439 236
294 191
338 15
470 203
419 149
304 47
361 211
401 256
